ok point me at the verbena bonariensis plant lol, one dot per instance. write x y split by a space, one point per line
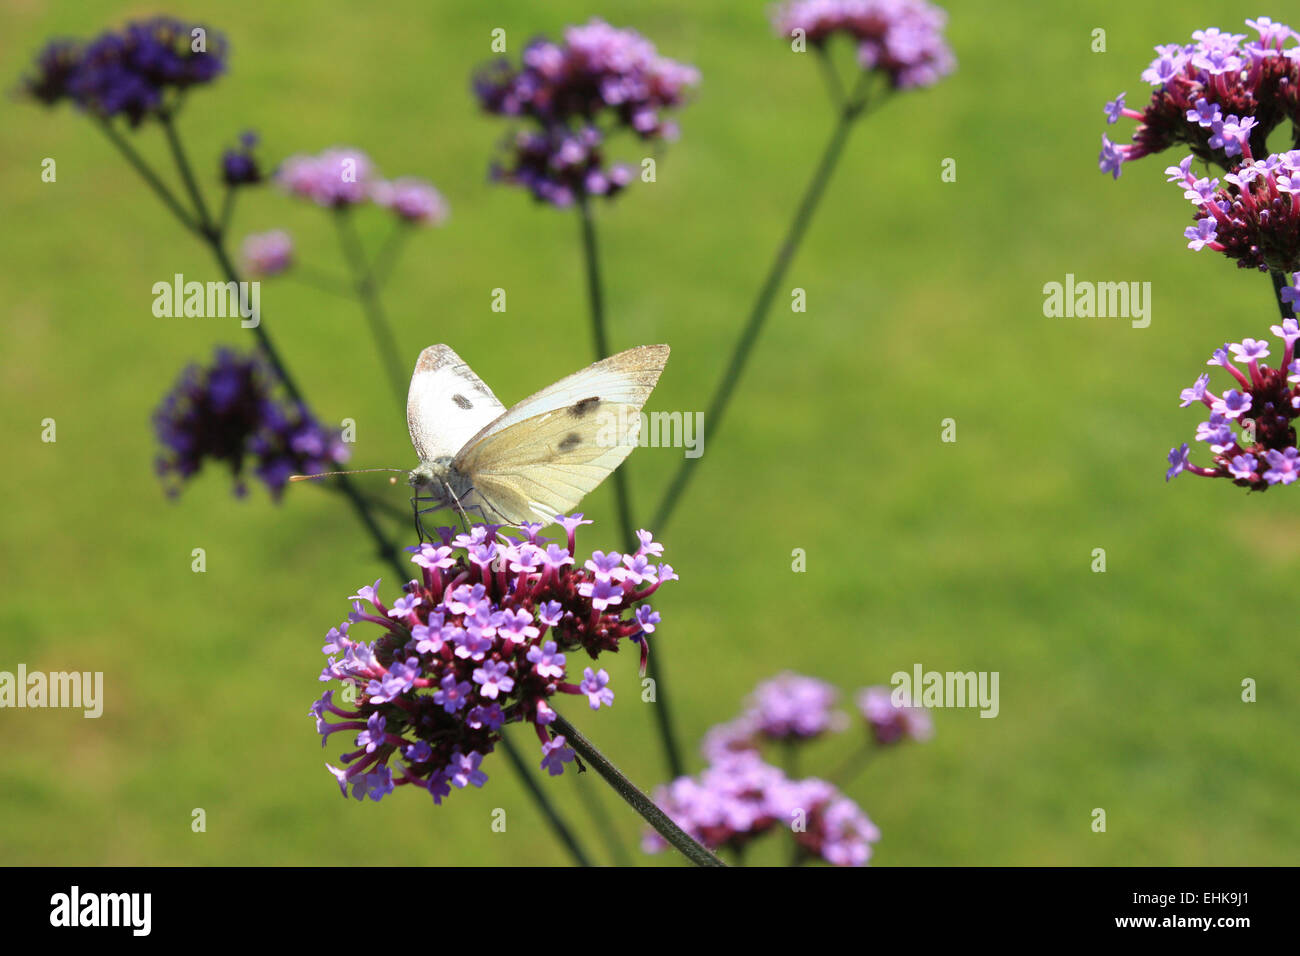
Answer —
740 797
1221 97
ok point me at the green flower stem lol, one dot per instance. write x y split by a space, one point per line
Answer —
625 788
850 111
367 292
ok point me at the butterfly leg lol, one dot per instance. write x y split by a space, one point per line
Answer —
455 503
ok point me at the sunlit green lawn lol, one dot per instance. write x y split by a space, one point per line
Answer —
1119 690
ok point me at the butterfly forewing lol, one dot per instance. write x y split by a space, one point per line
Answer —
447 404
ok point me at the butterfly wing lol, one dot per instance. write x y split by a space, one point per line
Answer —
546 453
447 404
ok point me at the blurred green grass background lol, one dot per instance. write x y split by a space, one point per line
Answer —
1118 690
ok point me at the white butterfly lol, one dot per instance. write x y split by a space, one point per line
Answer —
539 458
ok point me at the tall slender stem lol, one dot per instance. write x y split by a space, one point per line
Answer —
151 179
600 817
368 294
187 173
625 788
386 549
850 111
622 492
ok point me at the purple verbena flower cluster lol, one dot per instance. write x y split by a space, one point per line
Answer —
1253 216
480 640
227 412
134 72
1211 95
1264 406
344 177
902 39
739 798
267 254
786 708
599 79
891 721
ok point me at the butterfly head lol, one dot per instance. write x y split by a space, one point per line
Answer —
430 475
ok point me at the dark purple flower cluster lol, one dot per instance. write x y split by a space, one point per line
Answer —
227 412
739 796
902 39
599 78
129 72
1253 216
1264 407
239 167
480 640
1209 92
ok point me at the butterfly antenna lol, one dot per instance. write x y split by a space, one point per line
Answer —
358 471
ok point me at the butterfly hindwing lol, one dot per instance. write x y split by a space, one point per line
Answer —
447 404
547 452
543 466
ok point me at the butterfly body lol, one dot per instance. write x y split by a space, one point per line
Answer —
536 459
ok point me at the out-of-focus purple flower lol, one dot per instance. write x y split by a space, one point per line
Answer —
470 646
135 72
239 167
267 254
335 178
598 78
1218 95
902 39
227 412
891 723
412 200
739 798
793 707
1264 405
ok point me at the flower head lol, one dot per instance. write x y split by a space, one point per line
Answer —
467 648
739 798
892 721
598 78
902 39
227 412
1251 429
1220 95
267 254
1253 217
135 72
412 200
335 178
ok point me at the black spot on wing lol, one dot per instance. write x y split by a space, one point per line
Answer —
462 401
570 441
578 409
